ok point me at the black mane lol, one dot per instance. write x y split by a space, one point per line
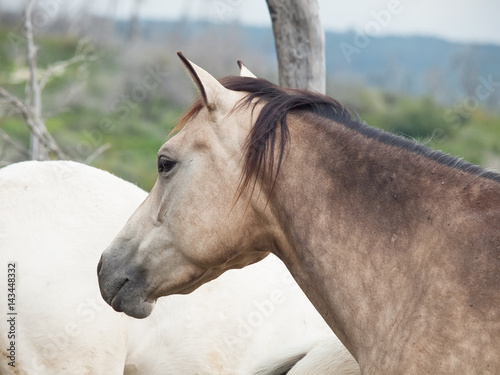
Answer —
278 101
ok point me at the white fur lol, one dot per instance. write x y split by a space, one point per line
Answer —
55 220
319 357
324 357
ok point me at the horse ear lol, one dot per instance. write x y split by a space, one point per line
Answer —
210 89
244 71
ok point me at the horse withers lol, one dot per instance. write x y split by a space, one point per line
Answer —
396 245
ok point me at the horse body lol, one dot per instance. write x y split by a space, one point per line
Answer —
55 217
397 246
52 221
414 282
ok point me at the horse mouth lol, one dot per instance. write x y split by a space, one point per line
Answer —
129 300
115 302
123 294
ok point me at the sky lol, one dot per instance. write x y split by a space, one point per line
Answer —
455 20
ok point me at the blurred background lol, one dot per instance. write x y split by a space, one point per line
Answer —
111 86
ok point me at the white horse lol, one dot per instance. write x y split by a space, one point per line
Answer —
55 219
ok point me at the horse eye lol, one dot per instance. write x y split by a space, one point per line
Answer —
165 165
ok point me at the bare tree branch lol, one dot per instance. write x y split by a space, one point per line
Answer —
22 150
22 107
9 109
33 93
12 99
59 66
37 127
41 142
97 152
81 55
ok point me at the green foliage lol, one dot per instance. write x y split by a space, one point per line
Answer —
5 55
474 137
417 118
477 140
55 48
133 140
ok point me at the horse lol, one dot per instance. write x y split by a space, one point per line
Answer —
396 245
55 218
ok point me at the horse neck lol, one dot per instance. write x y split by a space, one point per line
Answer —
358 221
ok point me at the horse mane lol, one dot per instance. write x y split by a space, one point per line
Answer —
272 120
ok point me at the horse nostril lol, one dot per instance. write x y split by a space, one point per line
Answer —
99 266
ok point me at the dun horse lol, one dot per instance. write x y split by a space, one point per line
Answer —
396 245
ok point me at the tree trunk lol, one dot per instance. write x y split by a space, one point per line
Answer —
33 94
300 43
135 27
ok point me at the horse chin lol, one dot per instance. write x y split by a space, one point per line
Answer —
140 311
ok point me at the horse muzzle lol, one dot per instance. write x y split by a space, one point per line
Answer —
122 290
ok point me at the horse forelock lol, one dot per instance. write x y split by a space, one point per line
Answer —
188 115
